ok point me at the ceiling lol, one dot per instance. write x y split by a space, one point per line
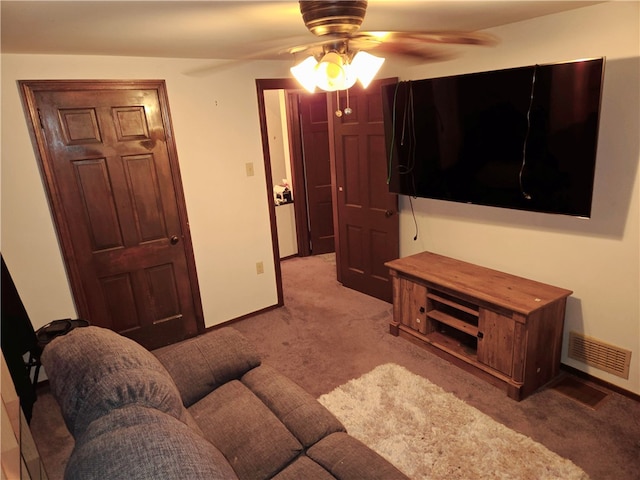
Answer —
227 29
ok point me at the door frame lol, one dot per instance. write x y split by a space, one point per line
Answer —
297 179
28 89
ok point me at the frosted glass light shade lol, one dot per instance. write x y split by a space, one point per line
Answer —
334 73
305 73
366 66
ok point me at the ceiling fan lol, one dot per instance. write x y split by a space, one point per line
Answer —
339 57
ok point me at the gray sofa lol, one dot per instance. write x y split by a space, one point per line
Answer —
205 408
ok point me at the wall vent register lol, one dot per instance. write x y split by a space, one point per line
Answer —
598 354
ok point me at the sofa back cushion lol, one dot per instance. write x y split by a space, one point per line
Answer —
93 371
201 364
140 443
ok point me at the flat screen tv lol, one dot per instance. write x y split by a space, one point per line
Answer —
522 138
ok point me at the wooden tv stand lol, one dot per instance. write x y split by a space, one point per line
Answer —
503 328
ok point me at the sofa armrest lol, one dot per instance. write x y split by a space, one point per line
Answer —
201 364
137 442
93 371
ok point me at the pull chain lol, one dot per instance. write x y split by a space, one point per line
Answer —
347 110
338 111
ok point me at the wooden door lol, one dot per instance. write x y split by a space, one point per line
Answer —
496 341
367 216
412 299
314 131
111 170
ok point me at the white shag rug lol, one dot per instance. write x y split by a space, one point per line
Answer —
429 433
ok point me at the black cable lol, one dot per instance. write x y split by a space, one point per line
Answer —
409 124
415 221
526 137
393 133
408 113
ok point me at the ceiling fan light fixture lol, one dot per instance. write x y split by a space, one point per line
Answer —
336 24
335 71
366 66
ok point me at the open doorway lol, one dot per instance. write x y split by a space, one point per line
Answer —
296 149
281 173
299 151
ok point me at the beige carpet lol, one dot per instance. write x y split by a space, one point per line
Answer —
429 433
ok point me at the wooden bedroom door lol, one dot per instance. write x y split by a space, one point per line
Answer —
110 166
367 213
314 128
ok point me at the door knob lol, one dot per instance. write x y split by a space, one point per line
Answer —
174 239
388 213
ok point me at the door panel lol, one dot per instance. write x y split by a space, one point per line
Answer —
314 128
413 302
366 211
114 185
495 346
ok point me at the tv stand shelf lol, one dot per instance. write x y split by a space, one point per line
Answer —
503 328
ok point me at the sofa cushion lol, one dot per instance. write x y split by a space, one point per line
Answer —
136 442
93 370
347 458
254 441
304 468
302 414
201 364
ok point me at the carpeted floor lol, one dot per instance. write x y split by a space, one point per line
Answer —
326 335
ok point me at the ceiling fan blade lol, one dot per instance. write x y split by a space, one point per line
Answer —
444 37
367 40
416 53
419 46
275 52
211 68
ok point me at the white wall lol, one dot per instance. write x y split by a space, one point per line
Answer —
278 139
597 258
217 132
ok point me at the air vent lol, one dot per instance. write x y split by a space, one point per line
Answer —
598 354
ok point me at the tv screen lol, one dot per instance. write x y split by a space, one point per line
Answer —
522 138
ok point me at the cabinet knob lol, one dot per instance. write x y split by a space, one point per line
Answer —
480 335
422 309
174 239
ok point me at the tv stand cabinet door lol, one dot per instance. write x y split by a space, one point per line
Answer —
496 334
413 305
